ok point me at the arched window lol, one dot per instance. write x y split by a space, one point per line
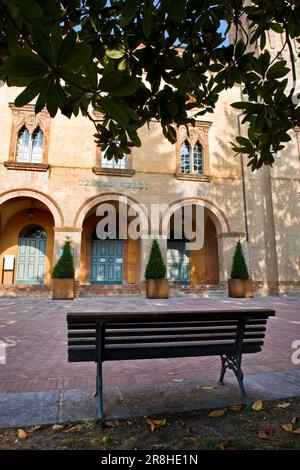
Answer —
33 231
191 158
30 146
185 157
198 158
23 144
37 146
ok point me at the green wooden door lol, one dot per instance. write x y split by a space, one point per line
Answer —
107 261
178 262
31 261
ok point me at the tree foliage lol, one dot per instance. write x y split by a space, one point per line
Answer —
156 268
239 268
124 63
64 268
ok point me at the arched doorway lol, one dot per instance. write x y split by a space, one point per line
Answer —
18 215
107 260
187 265
32 246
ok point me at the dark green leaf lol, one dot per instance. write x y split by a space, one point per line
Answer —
116 110
175 9
129 10
30 92
128 86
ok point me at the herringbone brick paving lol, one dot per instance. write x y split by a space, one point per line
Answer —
35 334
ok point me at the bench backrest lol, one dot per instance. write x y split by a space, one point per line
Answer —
167 334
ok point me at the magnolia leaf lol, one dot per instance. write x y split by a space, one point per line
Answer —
122 64
207 387
262 435
30 92
190 440
22 434
114 53
287 427
216 413
257 406
156 423
57 427
235 408
283 405
113 424
297 431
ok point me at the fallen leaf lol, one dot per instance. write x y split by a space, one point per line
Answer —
287 427
190 439
113 424
235 408
193 429
295 419
94 394
216 413
262 435
283 405
105 439
257 405
57 427
297 431
72 429
35 428
22 434
177 380
156 423
223 445
207 388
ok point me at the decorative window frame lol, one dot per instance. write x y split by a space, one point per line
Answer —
198 133
26 116
99 170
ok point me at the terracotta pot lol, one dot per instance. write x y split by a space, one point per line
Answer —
63 289
240 288
157 288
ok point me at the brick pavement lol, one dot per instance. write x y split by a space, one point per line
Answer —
35 332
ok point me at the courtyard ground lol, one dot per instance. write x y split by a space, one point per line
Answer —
38 385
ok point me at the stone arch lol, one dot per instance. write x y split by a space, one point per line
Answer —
38 195
217 216
113 197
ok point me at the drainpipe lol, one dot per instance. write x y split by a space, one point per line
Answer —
243 182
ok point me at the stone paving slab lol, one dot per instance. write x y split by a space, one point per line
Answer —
27 409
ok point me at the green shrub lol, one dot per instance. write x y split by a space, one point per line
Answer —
64 268
239 268
156 268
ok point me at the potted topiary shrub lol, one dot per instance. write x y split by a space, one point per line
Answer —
239 285
157 285
63 275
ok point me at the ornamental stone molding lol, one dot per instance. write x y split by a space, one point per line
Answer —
194 134
26 116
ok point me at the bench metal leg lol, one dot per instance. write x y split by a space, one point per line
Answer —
233 362
223 370
99 384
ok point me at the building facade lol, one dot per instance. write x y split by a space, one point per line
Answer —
53 179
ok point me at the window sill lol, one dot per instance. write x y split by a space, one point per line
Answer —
12 165
193 177
113 171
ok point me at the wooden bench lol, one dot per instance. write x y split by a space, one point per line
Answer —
118 336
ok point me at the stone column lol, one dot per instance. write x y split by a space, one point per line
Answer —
60 235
